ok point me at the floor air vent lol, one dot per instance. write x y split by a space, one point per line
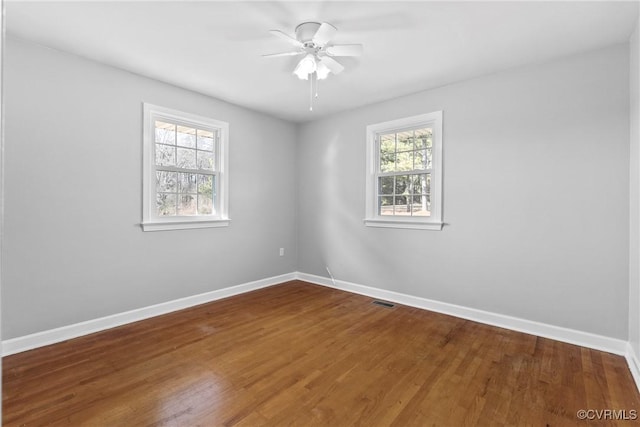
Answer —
384 304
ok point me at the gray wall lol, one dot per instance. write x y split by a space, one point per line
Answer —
73 249
536 196
634 191
536 191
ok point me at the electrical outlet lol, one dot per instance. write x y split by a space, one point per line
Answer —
281 251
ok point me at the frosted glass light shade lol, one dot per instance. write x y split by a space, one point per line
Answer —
306 66
322 71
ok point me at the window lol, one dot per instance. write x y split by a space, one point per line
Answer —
404 173
185 181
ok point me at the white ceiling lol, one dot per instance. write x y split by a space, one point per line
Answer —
215 47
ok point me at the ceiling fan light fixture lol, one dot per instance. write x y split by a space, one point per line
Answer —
305 67
322 71
313 40
301 75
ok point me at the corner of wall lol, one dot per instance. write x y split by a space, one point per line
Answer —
2 18
634 204
297 137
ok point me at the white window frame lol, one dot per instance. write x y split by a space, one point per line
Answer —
150 220
373 218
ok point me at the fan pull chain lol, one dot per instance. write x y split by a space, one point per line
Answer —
311 93
317 82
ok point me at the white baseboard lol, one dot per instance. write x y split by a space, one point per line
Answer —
634 364
558 333
52 336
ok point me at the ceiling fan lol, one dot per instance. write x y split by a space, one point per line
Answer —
312 39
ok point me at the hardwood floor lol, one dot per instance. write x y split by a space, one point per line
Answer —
300 354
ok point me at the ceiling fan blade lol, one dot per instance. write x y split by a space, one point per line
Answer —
286 37
324 34
332 64
345 50
273 55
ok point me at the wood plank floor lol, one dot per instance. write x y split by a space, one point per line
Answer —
299 354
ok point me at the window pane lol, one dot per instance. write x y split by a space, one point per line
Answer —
405 141
205 160
205 184
166 181
423 138
165 204
187 183
205 140
429 158
385 185
165 155
404 161
186 158
165 133
385 205
402 207
387 162
186 137
402 184
205 194
206 191
421 205
420 183
205 205
387 153
420 160
416 185
412 183
388 143
187 205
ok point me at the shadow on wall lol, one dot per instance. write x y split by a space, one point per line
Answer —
353 251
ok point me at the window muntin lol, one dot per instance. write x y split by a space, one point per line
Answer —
185 165
404 173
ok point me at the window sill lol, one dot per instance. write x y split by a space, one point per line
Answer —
183 224
403 223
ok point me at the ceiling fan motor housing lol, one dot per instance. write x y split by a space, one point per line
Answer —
306 31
